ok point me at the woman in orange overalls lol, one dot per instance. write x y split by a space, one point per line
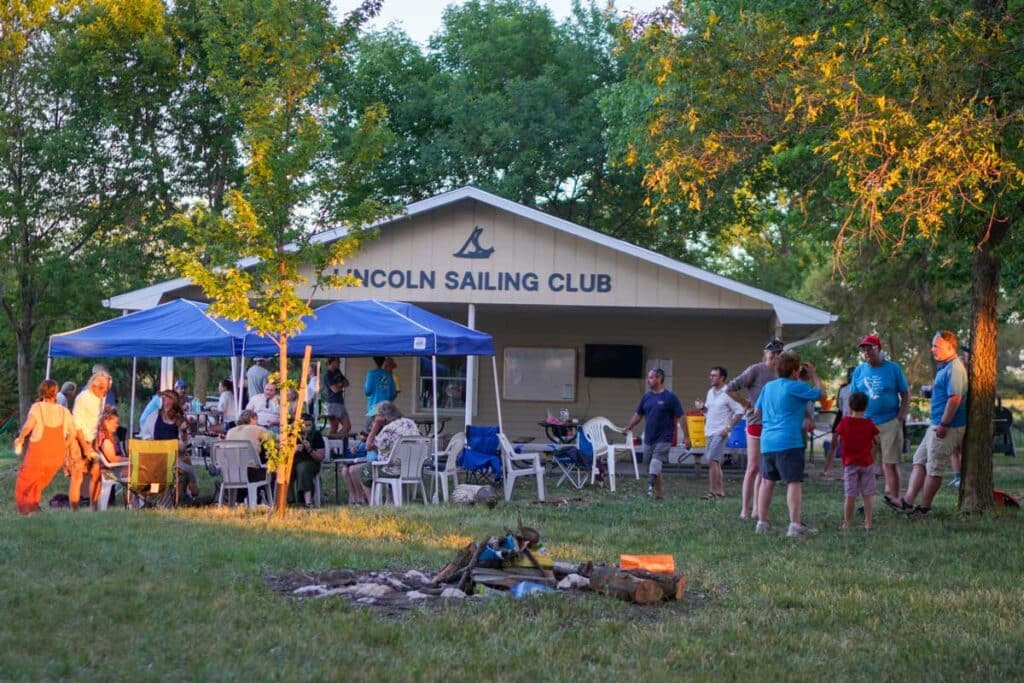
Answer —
50 429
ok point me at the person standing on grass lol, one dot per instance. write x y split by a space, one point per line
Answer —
378 387
82 459
946 433
745 390
256 377
721 413
337 414
66 395
888 402
859 436
50 430
957 459
782 407
662 411
842 410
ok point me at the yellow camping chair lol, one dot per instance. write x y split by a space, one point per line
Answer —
151 466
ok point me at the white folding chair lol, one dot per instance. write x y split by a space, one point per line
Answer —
235 459
594 430
514 467
450 468
111 478
410 452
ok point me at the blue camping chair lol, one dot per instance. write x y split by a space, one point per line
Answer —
481 459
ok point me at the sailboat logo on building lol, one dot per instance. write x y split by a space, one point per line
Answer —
471 247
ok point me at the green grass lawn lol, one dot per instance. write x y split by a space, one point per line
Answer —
163 595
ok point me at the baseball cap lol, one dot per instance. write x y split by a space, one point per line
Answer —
180 384
774 345
870 340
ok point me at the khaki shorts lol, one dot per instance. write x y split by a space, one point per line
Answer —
890 442
934 453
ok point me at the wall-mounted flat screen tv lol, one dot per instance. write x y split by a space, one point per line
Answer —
613 360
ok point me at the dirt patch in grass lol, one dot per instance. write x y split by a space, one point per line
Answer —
394 594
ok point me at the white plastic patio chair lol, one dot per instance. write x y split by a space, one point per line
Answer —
594 430
234 459
449 469
410 453
111 478
518 465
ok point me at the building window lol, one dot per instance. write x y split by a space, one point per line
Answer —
451 385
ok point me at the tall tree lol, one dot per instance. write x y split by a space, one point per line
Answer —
267 59
505 98
81 87
910 115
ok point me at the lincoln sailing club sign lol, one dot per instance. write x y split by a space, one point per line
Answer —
490 281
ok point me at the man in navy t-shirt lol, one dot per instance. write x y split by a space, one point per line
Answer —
662 410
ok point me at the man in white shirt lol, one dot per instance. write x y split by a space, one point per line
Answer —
83 461
267 407
721 413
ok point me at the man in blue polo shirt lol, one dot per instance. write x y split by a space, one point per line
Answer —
885 385
946 432
662 410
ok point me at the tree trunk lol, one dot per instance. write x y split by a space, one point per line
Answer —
976 467
284 459
25 394
201 385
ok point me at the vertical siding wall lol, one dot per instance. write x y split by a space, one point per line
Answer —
693 342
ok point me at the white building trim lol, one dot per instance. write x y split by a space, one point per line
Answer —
788 311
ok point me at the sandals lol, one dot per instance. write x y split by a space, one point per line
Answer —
901 506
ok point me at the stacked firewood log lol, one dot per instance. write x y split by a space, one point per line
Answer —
504 561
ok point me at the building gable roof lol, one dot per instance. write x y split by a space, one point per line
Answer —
788 311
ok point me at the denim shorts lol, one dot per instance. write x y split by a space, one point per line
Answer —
787 466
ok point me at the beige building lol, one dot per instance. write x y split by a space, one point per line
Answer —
568 308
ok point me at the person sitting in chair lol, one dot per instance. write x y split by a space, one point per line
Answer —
387 428
306 466
169 423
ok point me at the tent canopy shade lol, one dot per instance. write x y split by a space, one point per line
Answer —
179 328
184 329
373 327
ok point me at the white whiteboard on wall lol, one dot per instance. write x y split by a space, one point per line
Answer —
539 374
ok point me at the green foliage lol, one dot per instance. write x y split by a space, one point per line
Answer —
255 252
82 171
504 98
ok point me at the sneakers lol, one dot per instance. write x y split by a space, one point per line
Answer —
955 483
763 528
798 530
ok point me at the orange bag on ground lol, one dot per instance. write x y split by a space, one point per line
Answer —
656 564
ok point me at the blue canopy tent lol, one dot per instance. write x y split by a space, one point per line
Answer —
177 328
343 328
372 327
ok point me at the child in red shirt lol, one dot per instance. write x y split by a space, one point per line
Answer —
858 436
